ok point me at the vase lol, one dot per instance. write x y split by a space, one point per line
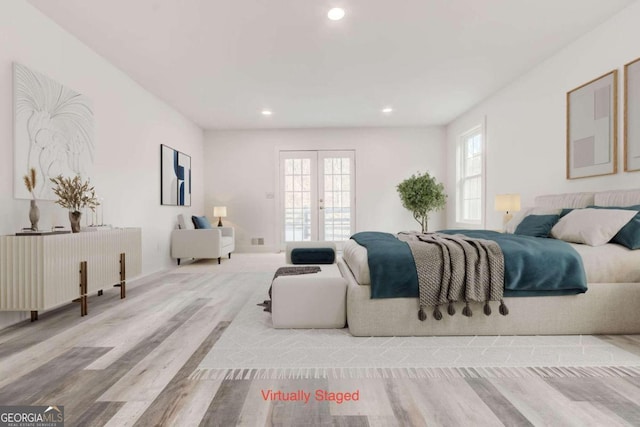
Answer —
74 218
34 215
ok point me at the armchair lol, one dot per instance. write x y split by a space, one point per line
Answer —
205 243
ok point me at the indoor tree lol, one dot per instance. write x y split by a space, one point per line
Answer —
422 194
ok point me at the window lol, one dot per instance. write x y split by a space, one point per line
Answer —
470 188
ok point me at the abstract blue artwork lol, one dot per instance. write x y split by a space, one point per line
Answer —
175 177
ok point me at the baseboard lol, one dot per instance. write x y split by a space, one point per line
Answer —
257 249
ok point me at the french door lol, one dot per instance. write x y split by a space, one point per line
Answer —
317 195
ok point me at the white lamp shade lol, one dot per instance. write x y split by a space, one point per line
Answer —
507 202
220 211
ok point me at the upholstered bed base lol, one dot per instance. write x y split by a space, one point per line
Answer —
606 308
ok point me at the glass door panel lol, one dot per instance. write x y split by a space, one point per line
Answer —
337 195
299 207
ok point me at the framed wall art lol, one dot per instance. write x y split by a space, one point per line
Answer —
632 116
592 117
53 132
175 177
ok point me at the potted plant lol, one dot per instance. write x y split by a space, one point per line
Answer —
74 194
422 194
34 211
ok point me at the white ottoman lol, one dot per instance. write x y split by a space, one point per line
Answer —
316 300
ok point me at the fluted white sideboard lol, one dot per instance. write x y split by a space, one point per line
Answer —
42 272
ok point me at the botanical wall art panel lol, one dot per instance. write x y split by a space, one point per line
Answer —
175 177
632 116
591 128
53 132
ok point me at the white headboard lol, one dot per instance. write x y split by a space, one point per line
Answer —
582 200
568 200
618 198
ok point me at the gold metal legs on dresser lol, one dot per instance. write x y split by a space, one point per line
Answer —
84 285
84 308
123 276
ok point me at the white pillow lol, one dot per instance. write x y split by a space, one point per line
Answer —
518 217
593 227
185 223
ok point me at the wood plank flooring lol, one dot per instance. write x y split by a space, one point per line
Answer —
129 364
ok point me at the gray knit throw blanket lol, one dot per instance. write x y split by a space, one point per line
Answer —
454 268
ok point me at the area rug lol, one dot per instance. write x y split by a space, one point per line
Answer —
251 348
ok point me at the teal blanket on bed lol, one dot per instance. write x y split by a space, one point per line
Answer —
391 265
534 266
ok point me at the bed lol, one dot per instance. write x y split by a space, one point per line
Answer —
611 304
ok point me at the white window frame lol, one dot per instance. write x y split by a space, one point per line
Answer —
461 177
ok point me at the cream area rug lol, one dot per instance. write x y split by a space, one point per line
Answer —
252 348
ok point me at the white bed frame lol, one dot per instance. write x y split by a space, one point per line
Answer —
606 308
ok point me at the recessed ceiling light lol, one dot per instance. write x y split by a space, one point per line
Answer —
336 14
267 112
387 110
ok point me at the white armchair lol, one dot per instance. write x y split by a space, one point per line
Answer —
207 243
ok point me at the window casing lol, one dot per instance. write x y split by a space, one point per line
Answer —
470 188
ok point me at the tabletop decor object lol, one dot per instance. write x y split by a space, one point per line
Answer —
34 211
74 194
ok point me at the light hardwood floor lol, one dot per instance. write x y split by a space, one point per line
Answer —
128 363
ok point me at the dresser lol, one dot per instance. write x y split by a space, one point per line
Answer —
43 272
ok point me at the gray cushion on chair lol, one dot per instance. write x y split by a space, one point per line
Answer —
184 224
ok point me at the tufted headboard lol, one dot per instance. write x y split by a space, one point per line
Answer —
567 200
618 198
582 200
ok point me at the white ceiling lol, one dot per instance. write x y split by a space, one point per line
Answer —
221 62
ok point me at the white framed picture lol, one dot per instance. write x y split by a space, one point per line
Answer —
632 116
592 117
175 177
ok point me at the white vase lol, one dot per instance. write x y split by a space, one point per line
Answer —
34 215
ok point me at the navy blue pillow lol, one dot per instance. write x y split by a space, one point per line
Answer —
200 222
565 211
629 235
537 225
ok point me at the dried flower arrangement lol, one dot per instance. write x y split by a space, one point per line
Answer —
30 182
74 194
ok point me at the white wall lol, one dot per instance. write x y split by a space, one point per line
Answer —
130 125
525 122
241 167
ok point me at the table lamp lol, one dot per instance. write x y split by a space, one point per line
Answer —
507 203
220 211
